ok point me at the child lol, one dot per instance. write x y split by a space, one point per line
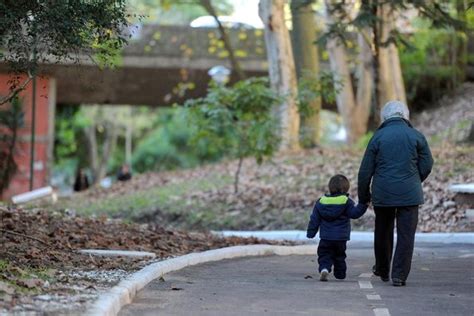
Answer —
331 214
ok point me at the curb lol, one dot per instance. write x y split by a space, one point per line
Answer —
112 301
356 236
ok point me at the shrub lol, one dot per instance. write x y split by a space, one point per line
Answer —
431 65
238 120
167 146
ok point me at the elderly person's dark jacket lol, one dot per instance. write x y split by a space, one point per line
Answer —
398 159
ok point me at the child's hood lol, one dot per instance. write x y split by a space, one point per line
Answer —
330 207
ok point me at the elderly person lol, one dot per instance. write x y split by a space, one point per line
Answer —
397 160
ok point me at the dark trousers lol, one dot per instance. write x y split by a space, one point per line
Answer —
407 219
333 252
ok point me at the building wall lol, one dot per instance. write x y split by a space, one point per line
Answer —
45 104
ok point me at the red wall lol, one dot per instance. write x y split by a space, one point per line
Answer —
20 182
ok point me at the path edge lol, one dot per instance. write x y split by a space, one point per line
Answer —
110 302
356 236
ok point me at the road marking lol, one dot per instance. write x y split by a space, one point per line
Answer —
372 297
468 255
365 285
365 275
381 312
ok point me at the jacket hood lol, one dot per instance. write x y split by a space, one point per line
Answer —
330 207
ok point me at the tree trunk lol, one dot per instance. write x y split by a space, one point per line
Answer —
390 84
91 137
225 38
462 51
107 149
470 137
281 70
129 139
307 62
354 109
98 161
365 84
237 175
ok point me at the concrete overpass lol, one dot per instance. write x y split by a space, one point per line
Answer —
163 65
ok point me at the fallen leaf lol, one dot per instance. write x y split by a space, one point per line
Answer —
6 288
176 289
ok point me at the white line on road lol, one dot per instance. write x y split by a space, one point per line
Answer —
365 285
373 297
468 255
381 312
365 275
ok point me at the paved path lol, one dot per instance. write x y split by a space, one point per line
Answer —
441 283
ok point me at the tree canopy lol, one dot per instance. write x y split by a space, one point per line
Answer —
50 31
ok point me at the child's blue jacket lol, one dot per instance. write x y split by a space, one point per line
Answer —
331 215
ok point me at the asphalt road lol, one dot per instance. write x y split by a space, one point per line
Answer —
441 283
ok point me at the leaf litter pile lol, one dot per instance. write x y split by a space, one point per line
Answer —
39 262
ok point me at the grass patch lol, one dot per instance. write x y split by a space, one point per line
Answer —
169 197
16 277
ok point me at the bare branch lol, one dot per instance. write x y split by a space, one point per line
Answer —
225 38
15 91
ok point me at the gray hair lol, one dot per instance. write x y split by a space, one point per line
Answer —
393 109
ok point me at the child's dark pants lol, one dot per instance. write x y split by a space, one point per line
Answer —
333 252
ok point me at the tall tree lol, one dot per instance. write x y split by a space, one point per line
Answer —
389 81
375 22
101 129
354 107
281 70
307 62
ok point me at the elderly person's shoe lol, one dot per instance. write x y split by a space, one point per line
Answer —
398 282
384 278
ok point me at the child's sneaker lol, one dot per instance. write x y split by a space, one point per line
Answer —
324 275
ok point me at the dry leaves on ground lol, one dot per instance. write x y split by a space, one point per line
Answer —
41 240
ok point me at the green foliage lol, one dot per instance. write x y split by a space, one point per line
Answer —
364 140
233 121
11 120
437 12
430 64
70 122
57 30
67 133
173 12
312 86
108 54
237 120
167 145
